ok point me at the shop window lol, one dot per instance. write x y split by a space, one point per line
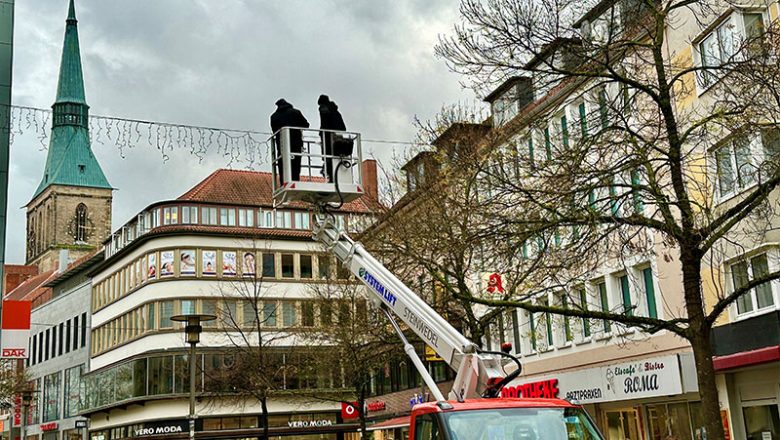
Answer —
51 397
762 422
161 375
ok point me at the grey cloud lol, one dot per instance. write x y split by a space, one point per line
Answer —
224 64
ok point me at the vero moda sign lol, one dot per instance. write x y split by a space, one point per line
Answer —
15 332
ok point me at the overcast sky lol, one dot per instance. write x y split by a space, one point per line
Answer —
223 63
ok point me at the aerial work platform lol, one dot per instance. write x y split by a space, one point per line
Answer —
342 158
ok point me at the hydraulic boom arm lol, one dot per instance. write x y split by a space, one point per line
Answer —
478 373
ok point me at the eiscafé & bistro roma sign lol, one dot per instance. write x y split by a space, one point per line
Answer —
651 377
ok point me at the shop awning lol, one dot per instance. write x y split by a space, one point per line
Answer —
398 422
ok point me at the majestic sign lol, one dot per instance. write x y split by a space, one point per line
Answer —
51 426
650 377
15 334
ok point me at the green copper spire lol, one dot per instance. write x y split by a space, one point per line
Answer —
70 160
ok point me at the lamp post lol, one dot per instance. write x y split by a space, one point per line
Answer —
27 396
192 331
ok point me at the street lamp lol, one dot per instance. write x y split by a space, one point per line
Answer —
192 331
27 396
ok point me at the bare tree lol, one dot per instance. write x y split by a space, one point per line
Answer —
357 340
546 199
253 359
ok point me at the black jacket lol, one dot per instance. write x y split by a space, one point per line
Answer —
330 118
288 116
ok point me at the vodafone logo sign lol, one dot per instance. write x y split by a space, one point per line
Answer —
349 411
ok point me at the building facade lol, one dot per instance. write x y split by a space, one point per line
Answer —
221 249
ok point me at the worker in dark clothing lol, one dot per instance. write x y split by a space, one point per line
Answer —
288 116
330 119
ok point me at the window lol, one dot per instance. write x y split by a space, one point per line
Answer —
80 221
647 276
150 316
326 313
426 428
156 218
323 263
583 297
283 219
306 271
288 267
307 313
189 214
266 219
302 220
209 216
166 311
60 337
759 297
269 266
564 303
188 307
170 215
720 46
51 397
74 389
734 168
246 217
604 299
289 318
625 291
269 313
227 216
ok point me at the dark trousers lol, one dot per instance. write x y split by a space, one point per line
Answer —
327 150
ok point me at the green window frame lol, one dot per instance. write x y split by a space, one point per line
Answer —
602 287
647 275
584 305
566 324
583 120
565 131
547 143
603 111
531 151
533 330
625 291
635 196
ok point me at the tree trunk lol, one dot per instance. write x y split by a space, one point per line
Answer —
699 337
362 413
264 416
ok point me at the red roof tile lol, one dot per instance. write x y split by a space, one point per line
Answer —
32 288
232 230
249 188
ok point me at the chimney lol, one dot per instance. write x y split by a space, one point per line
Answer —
370 184
63 263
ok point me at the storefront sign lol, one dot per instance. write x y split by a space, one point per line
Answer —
544 389
650 377
309 423
165 427
376 406
349 410
52 426
80 424
17 410
15 329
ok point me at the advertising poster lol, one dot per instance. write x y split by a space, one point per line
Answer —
166 263
209 262
248 264
187 262
16 329
151 271
229 263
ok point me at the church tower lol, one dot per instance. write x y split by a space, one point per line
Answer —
71 209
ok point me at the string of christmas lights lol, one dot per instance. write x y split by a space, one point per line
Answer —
236 145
